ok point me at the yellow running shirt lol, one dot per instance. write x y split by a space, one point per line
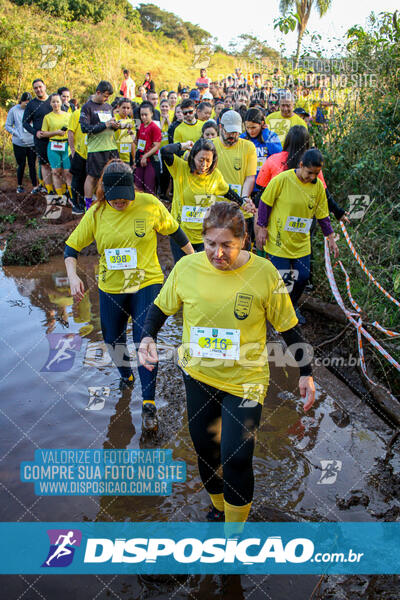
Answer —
294 204
53 121
239 301
133 228
281 125
123 139
80 139
193 190
188 133
236 163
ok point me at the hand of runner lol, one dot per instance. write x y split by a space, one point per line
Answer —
307 391
333 247
187 145
147 353
345 218
77 288
143 162
261 237
39 134
249 205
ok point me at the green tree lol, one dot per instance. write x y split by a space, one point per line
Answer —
302 15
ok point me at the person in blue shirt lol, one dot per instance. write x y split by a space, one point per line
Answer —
266 141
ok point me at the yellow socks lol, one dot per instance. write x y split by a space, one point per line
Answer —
70 191
59 191
49 188
218 501
236 514
149 402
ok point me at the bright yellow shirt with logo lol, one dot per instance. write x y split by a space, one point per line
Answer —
188 133
123 139
281 125
294 204
164 133
242 300
135 227
193 191
53 121
236 163
80 139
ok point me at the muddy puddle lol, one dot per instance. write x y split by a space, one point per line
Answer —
331 464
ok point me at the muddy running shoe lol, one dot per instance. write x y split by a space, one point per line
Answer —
126 383
76 210
149 417
215 515
39 189
20 189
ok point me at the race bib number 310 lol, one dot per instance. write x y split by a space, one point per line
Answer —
121 258
210 342
298 225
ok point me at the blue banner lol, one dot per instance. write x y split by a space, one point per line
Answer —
232 548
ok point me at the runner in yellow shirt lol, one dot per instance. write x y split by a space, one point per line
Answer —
190 129
55 127
282 120
77 142
126 135
197 183
124 225
292 199
237 161
227 295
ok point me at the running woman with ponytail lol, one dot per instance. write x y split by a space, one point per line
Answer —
124 225
227 295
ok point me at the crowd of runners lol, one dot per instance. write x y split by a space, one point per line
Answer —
229 172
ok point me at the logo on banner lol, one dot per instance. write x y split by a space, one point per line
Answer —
62 547
97 397
63 348
330 471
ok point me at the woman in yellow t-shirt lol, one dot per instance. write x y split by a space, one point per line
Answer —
227 295
55 127
124 225
126 134
286 211
197 183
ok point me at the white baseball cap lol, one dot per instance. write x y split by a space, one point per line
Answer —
231 121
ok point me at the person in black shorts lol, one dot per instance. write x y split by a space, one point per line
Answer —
98 122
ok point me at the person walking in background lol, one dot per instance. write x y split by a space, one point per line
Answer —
128 86
22 141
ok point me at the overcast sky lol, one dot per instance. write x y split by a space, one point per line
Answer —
225 21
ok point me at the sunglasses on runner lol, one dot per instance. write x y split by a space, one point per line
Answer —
188 112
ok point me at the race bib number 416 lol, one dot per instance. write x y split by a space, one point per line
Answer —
298 225
193 214
121 258
210 342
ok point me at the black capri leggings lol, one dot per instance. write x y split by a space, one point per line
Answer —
22 153
223 430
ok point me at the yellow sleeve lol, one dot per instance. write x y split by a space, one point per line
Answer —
221 187
168 300
272 191
322 210
279 309
83 234
45 124
74 120
251 160
177 135
165 222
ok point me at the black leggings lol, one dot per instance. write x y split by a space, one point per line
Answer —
223 431
22 153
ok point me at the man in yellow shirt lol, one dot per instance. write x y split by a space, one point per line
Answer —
285 118
77 141
191 129
237 159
